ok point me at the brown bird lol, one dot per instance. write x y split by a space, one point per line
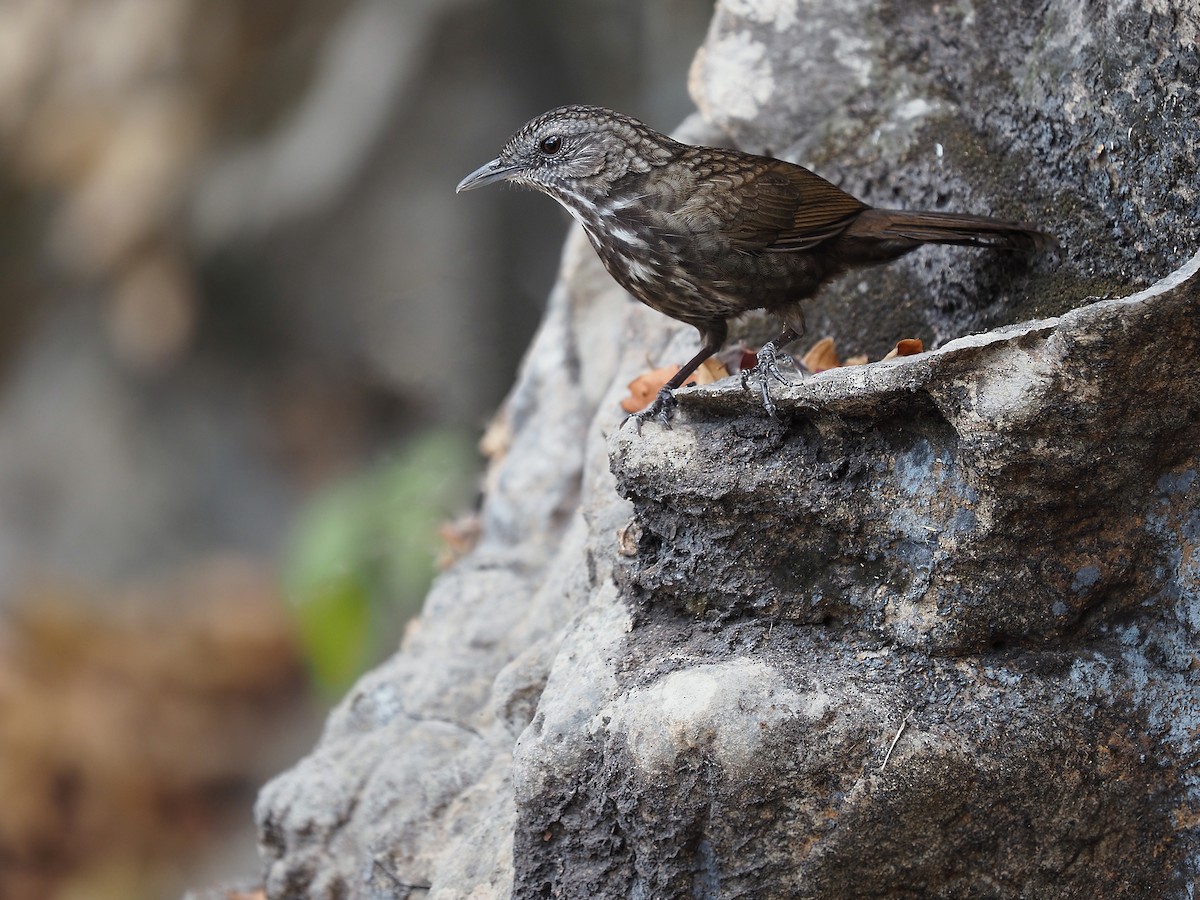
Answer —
704 234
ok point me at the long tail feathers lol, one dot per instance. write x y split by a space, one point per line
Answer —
952 228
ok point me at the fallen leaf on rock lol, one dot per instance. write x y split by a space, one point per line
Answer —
821 356
644 388
906 347
710 370
742 358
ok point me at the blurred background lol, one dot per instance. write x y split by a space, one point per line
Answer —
249 340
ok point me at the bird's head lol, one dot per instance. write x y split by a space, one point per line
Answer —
574 150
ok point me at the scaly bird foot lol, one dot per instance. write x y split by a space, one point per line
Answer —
662 409
766 367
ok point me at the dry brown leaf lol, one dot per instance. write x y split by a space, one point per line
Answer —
644 388
747 360
858 360
821 356
710 370
906 347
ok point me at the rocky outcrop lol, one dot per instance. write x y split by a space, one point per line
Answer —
930 633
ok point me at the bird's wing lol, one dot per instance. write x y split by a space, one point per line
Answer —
769 205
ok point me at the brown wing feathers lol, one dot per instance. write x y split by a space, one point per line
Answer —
784 208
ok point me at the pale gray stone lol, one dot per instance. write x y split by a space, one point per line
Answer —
928 634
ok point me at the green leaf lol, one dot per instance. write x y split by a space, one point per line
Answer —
364 550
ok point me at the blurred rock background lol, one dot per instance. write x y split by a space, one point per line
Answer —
248 340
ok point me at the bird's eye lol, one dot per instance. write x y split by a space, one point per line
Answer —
549 146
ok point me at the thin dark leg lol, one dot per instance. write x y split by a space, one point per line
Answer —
685 372
713 336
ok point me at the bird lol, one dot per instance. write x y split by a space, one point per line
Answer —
705 234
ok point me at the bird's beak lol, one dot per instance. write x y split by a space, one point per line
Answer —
490 172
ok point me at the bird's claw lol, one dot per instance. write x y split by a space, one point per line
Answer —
768 361
766 367
662 409
762 384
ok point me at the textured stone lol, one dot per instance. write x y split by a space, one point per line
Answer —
409 784
928 634
1021 110
945 537
903 497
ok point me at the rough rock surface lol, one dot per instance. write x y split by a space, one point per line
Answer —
1076 116
930 633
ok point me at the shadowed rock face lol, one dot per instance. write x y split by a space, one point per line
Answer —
997 492
677 663
992 540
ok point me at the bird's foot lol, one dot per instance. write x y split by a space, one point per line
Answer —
662 409
768 361
766 368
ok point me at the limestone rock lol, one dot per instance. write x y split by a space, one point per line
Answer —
931 632
1021 110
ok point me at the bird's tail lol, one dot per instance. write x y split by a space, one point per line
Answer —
950 228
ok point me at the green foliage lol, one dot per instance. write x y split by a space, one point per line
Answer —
364 551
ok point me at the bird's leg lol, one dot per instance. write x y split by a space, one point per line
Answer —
766 367
768 356
664 404
662 408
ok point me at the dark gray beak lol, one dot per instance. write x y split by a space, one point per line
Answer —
488 173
